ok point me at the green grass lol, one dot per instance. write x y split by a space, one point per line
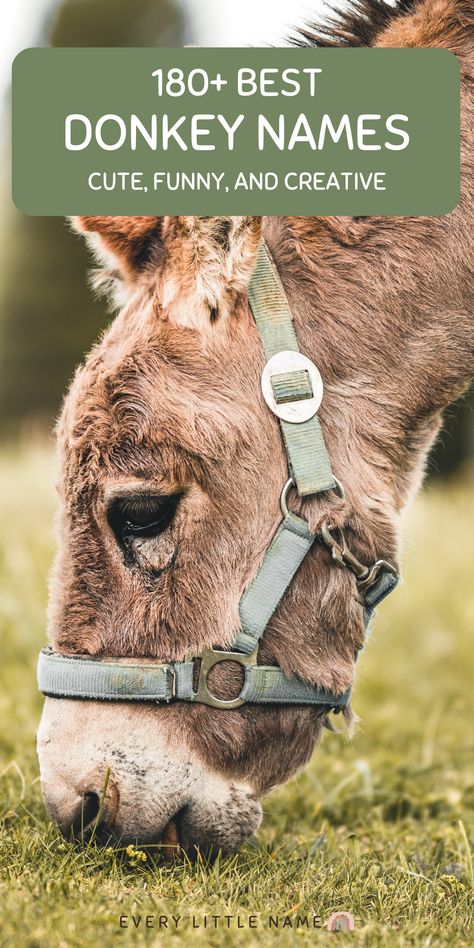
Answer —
378 826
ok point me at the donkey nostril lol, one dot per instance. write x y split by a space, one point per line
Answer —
170 835
87 812
171 840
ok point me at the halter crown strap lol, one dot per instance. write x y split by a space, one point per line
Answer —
304 442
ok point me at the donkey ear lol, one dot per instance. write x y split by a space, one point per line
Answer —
123 244
209 262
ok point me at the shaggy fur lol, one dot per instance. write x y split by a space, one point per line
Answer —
446 23
170 402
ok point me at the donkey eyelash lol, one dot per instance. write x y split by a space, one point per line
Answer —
142 516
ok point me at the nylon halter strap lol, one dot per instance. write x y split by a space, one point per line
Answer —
292 388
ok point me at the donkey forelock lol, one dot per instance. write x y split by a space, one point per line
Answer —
167 412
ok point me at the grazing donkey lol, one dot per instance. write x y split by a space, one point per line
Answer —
172 468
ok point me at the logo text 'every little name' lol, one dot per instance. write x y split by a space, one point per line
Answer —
338 921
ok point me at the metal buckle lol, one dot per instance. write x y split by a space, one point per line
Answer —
211 657
302 409
365 575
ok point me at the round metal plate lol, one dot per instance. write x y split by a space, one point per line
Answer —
304 408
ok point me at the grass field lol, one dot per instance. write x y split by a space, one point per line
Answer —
378 826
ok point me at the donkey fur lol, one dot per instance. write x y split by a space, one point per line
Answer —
170 399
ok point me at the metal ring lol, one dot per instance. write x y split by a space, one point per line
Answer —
340 489
211 657
284 497
291 483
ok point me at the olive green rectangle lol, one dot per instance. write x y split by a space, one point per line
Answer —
51 84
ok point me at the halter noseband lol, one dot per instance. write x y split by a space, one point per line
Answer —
292 388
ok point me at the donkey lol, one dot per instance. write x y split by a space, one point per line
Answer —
171 470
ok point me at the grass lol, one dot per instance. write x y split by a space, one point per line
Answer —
378 826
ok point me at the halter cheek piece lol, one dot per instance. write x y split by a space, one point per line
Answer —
292 388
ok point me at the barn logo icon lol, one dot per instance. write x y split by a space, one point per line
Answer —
341 922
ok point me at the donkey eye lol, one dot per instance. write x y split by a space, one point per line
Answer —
144 515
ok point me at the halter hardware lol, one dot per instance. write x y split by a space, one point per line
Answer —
209 659
292 388
338 487
365 575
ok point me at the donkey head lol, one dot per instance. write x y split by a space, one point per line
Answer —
171 469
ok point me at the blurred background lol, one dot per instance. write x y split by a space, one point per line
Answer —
48 316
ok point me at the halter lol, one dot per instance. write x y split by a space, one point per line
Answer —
292 388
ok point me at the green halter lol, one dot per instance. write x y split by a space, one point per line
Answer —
292 388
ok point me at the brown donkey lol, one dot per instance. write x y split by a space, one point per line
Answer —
172 468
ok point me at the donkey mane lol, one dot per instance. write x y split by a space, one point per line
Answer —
362 22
